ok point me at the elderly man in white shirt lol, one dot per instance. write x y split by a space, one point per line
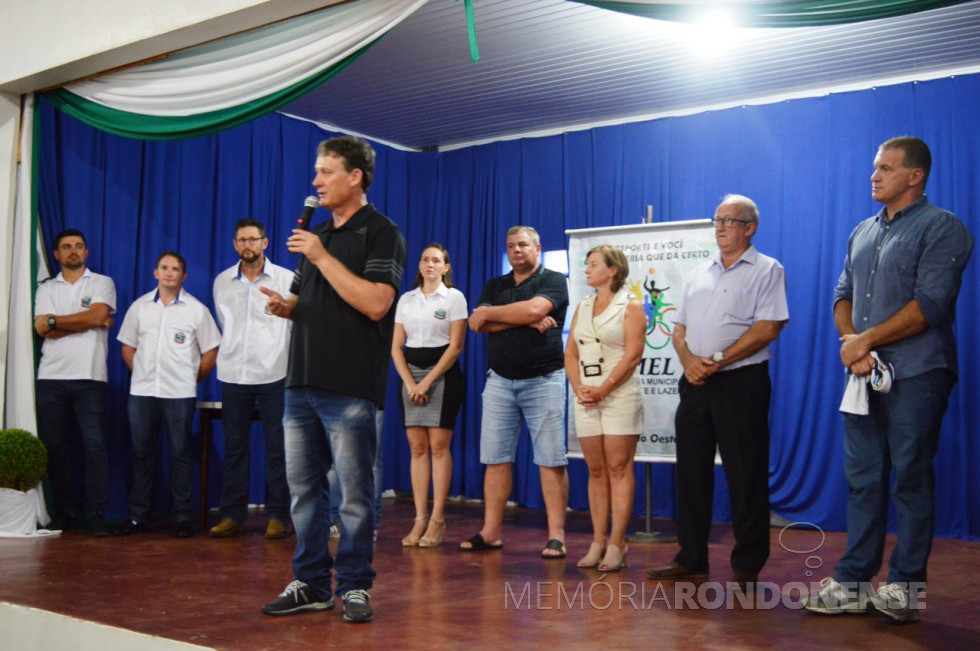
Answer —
734 306
252 369
170 343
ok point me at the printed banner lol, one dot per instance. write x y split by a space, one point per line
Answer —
661 257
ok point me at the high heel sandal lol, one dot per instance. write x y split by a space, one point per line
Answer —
593 557
410 540
426 542
613 560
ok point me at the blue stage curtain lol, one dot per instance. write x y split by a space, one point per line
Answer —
806 162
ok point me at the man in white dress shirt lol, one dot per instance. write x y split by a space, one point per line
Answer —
170 343
252 369
73 312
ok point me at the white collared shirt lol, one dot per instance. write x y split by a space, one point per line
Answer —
254 344
80 355
426 319
169 341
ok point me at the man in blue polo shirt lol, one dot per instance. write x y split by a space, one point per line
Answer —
523 313
897 297
342 309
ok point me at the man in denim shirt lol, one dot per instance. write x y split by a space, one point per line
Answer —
896 296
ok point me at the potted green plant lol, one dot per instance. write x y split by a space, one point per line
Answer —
23 463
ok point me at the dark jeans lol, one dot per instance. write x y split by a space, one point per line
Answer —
731 410
237 403
900 434
146 414
379 422
58 402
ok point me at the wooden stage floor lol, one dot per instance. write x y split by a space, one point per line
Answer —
209 592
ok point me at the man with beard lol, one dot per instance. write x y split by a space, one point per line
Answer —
252 369
73 313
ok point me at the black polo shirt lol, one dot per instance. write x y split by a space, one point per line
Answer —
523 352
335 347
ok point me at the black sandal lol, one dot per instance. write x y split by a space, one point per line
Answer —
478 544
555 545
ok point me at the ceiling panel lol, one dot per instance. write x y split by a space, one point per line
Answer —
553 65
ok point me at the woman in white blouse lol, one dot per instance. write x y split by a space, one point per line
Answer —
430 325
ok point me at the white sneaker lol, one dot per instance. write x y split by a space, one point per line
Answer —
835 598
892 602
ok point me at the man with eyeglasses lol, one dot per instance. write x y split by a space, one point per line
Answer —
252 362
896 296
734 306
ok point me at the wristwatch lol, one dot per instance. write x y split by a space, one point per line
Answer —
718 357
51 322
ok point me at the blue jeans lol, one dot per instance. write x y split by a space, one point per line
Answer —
900 433
58 402
540 401
237 403
323 429
146 413
379 422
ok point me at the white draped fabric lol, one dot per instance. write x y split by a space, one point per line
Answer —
248 66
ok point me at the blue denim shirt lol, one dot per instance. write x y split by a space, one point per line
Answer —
919 255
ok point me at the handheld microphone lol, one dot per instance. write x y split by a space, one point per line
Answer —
311 203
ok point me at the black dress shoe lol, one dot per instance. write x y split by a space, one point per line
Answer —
64 522
183 530
128 528
97 527
675 570
745 580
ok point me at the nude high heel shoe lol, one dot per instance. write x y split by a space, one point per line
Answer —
614 560
410 540
593 557
426 542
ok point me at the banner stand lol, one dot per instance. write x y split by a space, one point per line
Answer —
649 536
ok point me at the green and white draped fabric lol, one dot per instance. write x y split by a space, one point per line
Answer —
777 13
231 81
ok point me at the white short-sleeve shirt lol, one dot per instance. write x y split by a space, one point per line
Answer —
254 343
426 319
169 341
80 355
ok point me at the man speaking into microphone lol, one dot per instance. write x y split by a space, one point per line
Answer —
342 309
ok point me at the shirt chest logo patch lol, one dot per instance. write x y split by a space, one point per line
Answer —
180 338
440 314
86 301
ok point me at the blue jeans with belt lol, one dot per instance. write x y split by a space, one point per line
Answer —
900 434
323 429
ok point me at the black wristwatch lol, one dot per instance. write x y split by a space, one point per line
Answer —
51 321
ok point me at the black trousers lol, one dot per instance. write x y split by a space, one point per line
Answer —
731 410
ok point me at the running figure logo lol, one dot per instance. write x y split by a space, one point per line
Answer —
659 330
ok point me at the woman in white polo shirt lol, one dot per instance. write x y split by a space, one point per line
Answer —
430 325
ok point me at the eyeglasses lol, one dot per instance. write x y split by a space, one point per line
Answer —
728 221
251 241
